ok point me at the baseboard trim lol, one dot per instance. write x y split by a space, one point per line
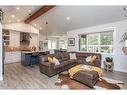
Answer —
120 70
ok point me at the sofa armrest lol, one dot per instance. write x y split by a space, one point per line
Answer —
47 68
97 63
47 64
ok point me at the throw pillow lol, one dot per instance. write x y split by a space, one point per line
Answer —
72 56
50 60
94 57
88 59
56 61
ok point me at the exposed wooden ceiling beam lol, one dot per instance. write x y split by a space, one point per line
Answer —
38 13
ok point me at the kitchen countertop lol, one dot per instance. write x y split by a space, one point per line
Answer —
27 52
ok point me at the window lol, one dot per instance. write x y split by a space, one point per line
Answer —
106 42
83 43
97 42
93 42
57 43
52 44
63 44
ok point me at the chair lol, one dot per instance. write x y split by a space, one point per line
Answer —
34 58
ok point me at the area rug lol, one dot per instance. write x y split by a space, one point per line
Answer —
64 82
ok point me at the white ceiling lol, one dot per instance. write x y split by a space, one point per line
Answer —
20 15
80 16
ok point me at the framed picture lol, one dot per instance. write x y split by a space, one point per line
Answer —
71 41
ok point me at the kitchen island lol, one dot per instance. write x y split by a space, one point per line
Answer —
26 57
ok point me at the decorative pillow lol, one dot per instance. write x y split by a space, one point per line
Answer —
93 58
50 60
56 61
73 56
88 59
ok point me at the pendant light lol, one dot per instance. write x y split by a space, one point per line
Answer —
46 39
30 37
46 32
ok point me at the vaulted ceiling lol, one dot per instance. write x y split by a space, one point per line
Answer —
13 14
65 18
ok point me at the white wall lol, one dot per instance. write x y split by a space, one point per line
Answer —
35 40
1 77
120 59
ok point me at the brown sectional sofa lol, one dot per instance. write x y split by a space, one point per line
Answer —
65 62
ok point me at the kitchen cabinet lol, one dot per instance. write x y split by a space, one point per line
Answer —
12 57
14 38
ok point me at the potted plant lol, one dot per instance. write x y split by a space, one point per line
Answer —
124 38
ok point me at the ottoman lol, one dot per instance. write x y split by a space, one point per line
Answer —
87 77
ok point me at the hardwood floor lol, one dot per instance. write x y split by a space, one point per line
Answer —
19 77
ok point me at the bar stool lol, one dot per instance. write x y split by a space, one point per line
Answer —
34 58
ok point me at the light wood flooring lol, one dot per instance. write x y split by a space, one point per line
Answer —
17 76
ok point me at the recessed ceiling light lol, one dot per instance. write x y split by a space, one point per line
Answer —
125 8
9 20
17 8
12 16
40 28
18 20
35 24
29 10
68 18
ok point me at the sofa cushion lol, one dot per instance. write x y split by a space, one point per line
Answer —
56 61
93 59
71 61
60 60
80 61
72 56
61 65
65 56
81 55
65 63
57 55
50 59
88 59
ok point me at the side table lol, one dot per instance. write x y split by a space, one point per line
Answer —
108 66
